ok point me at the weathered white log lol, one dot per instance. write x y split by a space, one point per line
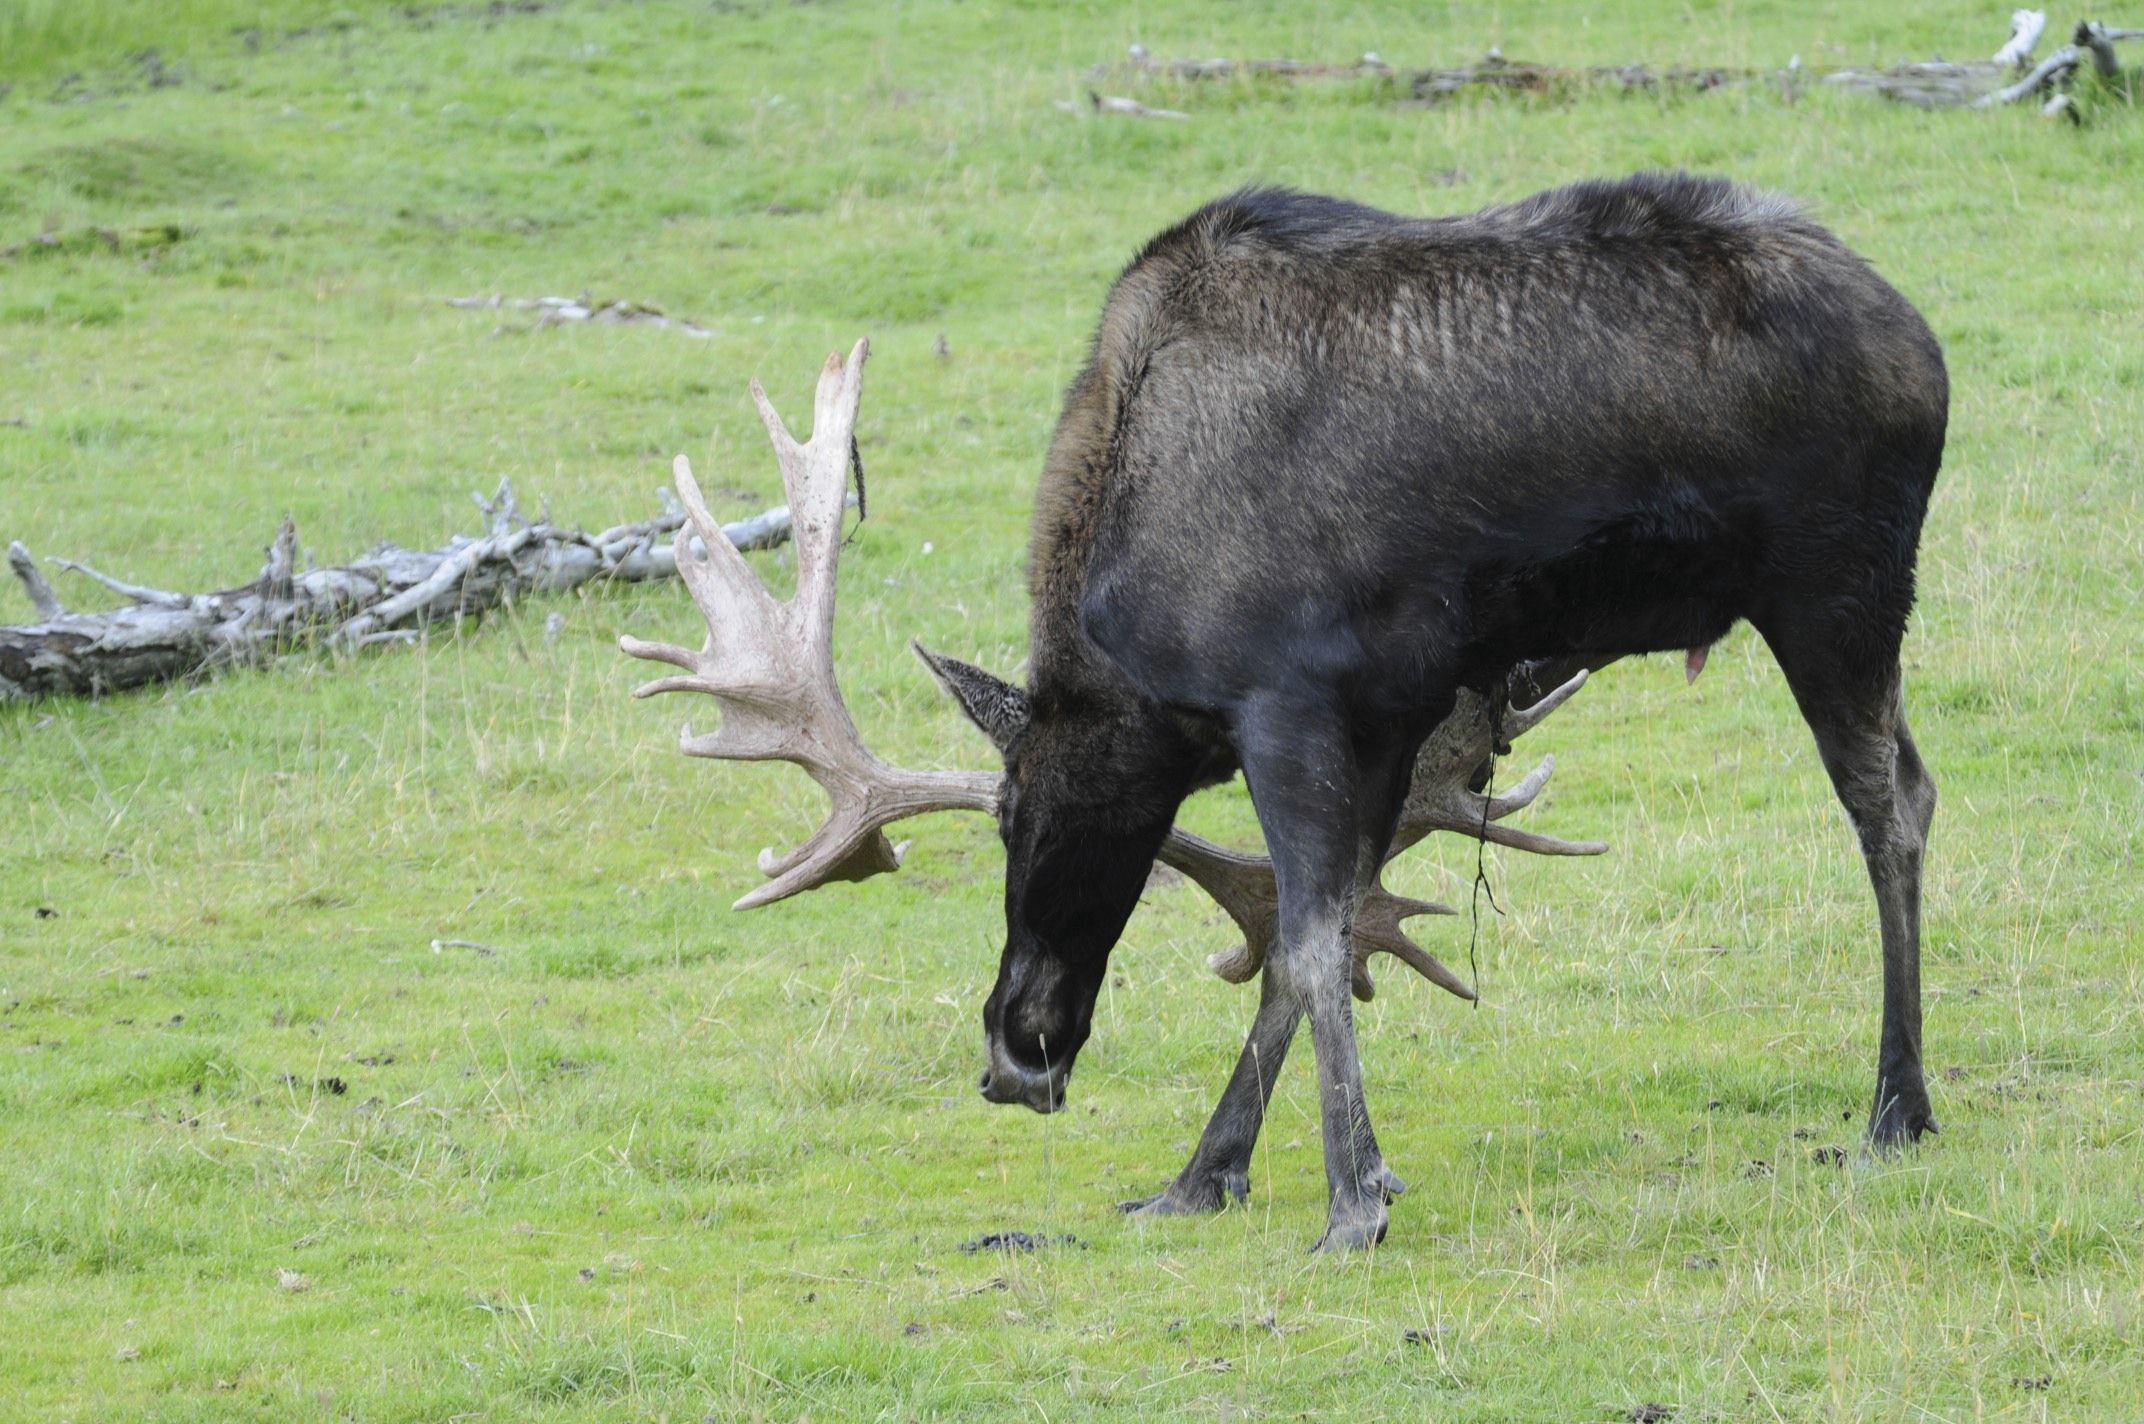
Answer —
1499 74
1493 72
388 595
2025 30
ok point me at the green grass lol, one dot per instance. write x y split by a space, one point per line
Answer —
650 1159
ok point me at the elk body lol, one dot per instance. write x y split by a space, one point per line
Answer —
1334 483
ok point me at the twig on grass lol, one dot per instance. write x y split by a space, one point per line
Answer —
1130 108
487 950
1142 64
564 311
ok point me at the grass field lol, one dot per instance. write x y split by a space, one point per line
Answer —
266 1154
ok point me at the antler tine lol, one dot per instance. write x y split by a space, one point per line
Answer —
1377 931
738 609
1519 797
816 476
770 664
1518 721
1244 887
777 432
1439 799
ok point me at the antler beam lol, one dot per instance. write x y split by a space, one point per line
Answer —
771 664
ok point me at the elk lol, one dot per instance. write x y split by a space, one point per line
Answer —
1333 488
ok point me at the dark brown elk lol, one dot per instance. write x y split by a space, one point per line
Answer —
1333 478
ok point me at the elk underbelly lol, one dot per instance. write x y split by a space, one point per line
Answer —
1616 597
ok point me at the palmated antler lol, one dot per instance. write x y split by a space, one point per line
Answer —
1441 798
770 666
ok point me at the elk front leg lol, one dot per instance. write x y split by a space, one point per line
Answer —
1220 1167
1328 804
1358 1184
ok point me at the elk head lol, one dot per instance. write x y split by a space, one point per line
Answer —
769 666
1093 778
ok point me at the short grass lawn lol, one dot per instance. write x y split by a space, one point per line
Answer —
268 1151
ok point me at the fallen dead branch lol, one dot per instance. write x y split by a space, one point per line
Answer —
1941 84
2098 41
389 595
1494 72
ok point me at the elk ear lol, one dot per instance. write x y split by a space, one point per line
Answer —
996 706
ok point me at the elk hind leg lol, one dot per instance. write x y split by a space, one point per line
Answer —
1856 710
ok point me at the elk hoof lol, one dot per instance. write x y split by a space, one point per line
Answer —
1356 1227
1173 1202
1193 1196
1897 1125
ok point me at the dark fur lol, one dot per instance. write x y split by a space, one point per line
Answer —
1326 464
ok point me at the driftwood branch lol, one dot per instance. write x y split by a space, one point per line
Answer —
1936 84
2025 30
2098 41
388 595
1494 73
1940 84
42 597
2059 66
